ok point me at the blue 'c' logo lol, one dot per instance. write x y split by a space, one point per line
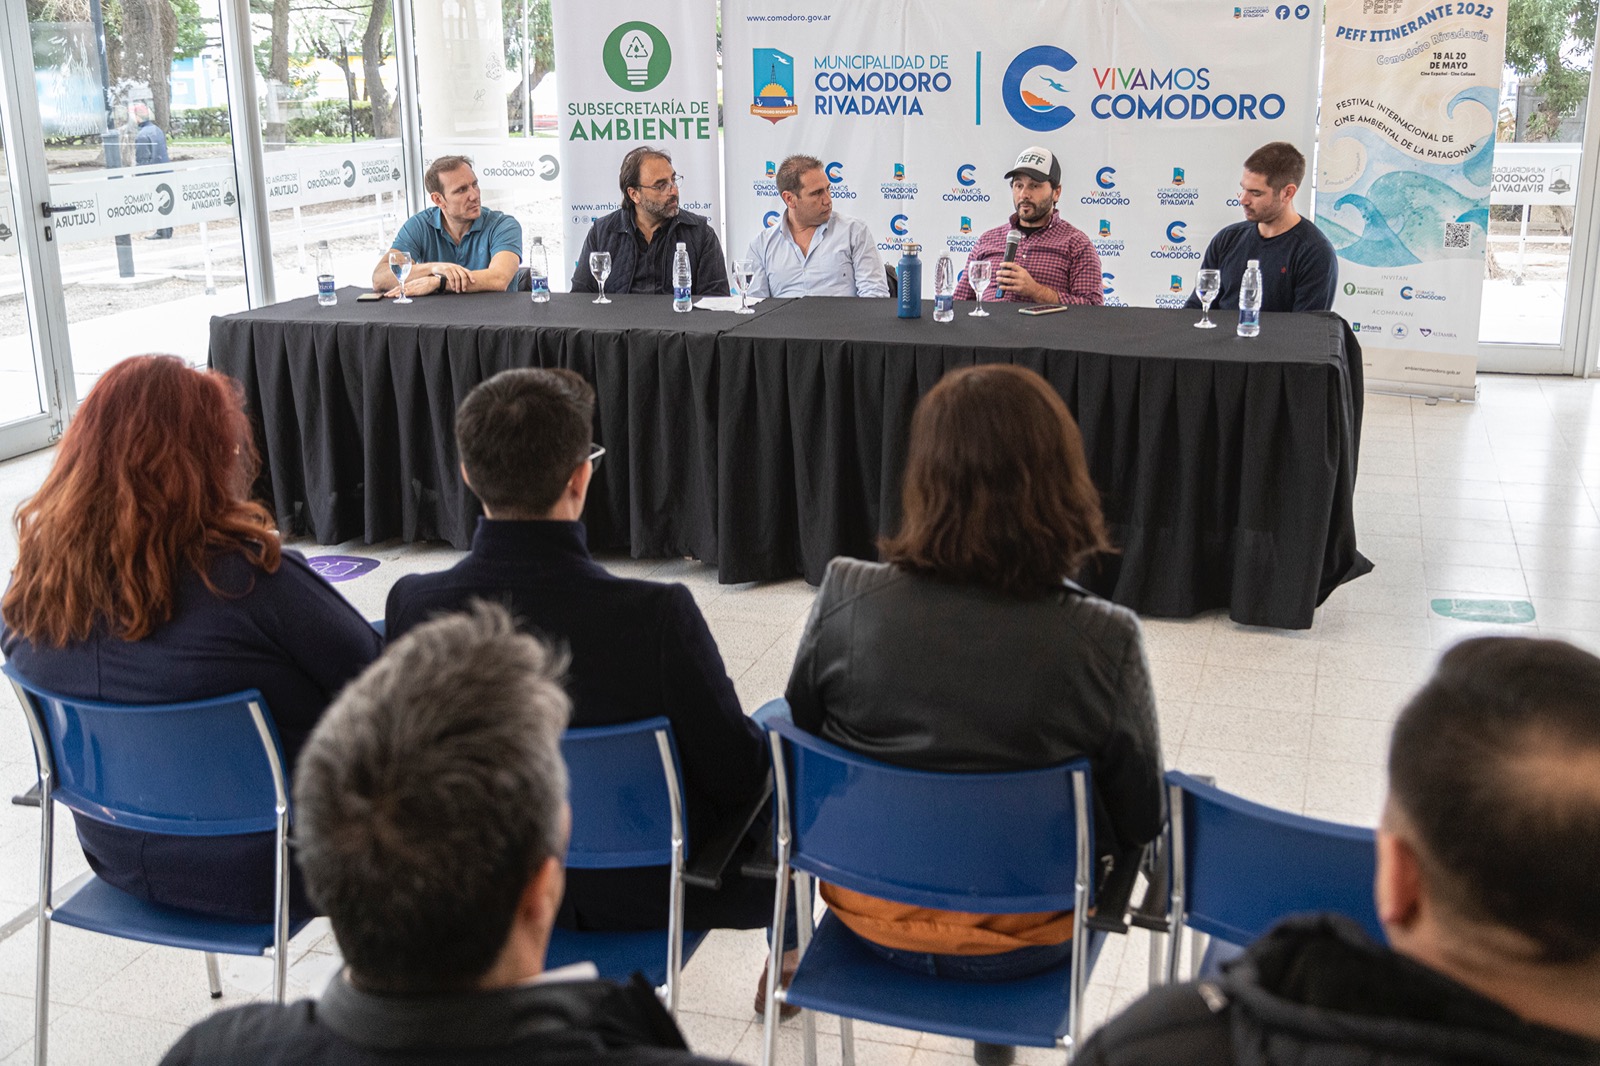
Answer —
1106 288
964 174
1405 293
1175 232
1031 95
899 225
769 219
835 173
1102 177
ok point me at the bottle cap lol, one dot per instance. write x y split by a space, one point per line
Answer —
1252 263
911 248
682 247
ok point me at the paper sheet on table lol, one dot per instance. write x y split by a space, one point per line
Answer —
726 303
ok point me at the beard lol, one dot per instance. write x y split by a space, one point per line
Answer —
661 212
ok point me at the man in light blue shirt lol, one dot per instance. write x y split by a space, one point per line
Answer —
457 245
811 251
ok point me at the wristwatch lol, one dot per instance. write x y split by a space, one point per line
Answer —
442 286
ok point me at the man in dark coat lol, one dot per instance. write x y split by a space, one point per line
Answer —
1486 887
430 820
150 146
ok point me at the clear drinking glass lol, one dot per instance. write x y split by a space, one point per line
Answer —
978 271
744 272
400 262
600 267
1207 287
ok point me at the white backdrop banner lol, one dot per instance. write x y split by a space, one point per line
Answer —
1406 168
633 73
1151 105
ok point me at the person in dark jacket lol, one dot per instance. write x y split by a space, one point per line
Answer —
150 146
639 648
644 233
431 817
145 574
968 649
1486 887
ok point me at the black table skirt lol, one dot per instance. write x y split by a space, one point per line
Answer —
767 444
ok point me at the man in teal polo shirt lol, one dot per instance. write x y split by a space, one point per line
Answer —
457 245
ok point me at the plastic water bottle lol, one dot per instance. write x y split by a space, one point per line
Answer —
944 289
1250 300
326 294
682 283
909 277
539 271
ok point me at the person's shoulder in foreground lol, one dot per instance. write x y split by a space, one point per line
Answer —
559 1022
1317 990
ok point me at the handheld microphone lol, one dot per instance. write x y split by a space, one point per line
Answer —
1013 239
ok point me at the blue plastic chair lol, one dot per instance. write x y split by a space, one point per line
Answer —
627 810
996 843
203 768
1237 868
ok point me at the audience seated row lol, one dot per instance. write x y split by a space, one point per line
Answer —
960 652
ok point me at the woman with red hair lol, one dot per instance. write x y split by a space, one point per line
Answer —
145 574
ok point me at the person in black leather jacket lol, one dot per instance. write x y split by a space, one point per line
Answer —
1486 888
968 649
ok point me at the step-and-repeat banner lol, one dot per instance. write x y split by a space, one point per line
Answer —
917 108
632 73
1406 169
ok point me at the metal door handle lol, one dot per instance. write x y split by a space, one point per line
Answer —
47 209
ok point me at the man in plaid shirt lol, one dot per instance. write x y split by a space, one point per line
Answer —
1056 262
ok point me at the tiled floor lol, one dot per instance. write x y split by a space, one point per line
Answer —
1498 500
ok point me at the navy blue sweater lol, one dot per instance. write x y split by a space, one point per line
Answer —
1299 268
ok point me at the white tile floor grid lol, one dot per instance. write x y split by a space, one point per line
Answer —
1495 500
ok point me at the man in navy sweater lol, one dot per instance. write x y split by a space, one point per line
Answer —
639 648
1299 268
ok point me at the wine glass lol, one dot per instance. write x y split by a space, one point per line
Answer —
400 262
600 267
1207 287
978 271
744 272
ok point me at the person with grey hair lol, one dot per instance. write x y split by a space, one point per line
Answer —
457 245
149 147
1486 888
812 250
431 819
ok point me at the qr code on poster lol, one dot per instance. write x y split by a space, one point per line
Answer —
1458 234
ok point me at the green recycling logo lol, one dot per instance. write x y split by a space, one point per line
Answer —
637 56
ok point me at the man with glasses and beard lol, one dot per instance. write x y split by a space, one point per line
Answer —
645 231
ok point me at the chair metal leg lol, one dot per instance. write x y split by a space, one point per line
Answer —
213 977
805 917
847 1041
1197 951
41 977
780 903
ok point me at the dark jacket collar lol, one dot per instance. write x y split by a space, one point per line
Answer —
614 1014
1321 981
501 538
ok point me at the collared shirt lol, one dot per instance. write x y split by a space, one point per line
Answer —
842 261
1058 254
424 237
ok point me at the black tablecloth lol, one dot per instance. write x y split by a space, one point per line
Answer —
766 444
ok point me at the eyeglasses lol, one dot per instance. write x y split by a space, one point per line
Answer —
595 454
664 184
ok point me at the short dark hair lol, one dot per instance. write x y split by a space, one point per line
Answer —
443 165
1280 163
521 434
997 491
1495 764
633 163
791 170
427 797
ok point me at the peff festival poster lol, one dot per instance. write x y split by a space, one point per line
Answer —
917 108
1405 170
632 74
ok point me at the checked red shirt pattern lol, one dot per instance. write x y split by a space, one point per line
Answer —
1060 255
